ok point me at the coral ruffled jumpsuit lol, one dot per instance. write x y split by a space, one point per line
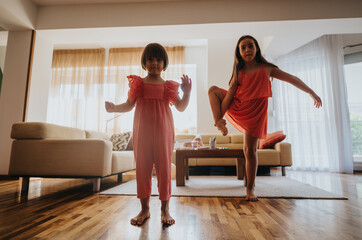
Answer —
249 108
153 134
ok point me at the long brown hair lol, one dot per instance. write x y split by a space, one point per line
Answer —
239 62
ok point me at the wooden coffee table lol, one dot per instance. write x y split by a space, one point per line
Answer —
182 156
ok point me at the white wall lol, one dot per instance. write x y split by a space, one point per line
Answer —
13 90
17 15
352 39
40 79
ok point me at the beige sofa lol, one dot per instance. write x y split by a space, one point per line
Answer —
279 156
48 150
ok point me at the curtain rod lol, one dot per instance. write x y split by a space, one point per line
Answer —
351 46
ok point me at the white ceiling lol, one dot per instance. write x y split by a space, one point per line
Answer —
275 37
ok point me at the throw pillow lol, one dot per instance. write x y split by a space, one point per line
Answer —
120 140
271 139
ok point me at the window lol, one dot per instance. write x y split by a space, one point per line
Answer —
353 76
81 82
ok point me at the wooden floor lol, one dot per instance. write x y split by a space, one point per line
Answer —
67 209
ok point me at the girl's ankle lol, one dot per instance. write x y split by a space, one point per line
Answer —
145 209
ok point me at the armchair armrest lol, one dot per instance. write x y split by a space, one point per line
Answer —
285 150
61 157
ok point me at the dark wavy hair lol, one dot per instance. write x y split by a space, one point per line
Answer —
155 50
239 62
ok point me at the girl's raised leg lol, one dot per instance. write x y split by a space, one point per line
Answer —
251 165
144 213
215 97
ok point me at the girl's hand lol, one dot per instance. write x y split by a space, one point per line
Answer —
110 107
186 84
317 100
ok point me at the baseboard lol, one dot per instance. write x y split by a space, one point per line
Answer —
7 177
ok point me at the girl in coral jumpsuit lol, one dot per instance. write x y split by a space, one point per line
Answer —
153 128
245 104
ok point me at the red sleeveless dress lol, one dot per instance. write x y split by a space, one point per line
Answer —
249 108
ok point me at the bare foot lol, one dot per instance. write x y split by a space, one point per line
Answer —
250 196
166 218
140 218
221 126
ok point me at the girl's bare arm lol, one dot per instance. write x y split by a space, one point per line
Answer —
286 77
123 107
181 103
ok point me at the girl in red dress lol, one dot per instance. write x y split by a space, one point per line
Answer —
153 128
245 104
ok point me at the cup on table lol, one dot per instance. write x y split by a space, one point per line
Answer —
212 142
194 144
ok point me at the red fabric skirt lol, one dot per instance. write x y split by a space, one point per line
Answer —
249 115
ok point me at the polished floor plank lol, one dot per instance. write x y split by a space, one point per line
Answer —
67 209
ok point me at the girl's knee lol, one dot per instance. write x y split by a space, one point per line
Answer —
213 90
249 152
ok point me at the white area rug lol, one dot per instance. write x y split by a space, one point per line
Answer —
229 186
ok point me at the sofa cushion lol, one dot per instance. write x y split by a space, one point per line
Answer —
268 157
122 161
231 146
96 135
39 130
120 140
271 139
237 138
220 139
184 137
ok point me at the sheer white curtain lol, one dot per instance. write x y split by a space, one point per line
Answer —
81 83
121 63
320 138
76 94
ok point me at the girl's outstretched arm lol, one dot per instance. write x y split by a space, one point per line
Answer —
284 76
123 107
181 103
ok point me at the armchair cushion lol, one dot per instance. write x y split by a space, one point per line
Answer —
39 130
